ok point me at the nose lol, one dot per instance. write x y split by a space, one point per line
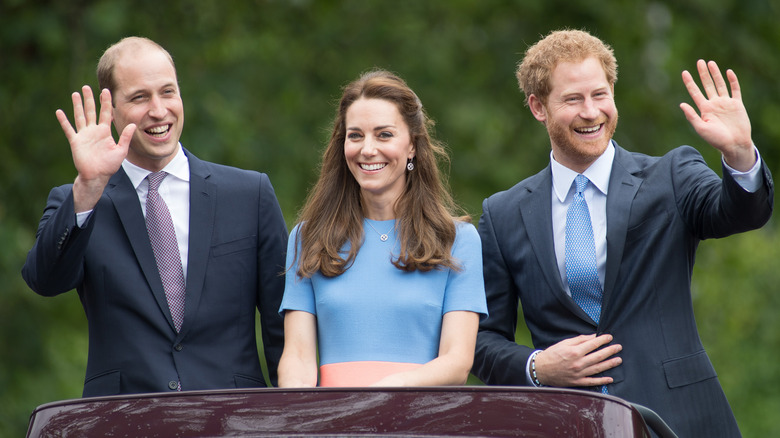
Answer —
369 146
589 110
156 107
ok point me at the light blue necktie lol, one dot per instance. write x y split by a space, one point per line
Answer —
581 270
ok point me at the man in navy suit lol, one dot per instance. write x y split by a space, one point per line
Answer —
226 225
626 327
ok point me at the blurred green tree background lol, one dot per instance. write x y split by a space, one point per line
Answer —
260 79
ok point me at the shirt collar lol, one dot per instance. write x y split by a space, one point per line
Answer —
178 167
598 173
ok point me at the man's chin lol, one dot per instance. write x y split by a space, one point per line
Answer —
155 156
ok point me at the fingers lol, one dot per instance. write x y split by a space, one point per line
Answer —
89 105
78 111
736 92
84 114
693 89
574 361
105 107
712 82
126 136
605 353
706 79
713 74
711 79
65 124
588 343
603 360
597 359
690 114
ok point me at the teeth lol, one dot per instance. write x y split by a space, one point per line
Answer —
376 166
158 130
589 130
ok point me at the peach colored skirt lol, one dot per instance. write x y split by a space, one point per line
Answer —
362 373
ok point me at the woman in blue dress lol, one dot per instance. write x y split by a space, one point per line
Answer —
384 283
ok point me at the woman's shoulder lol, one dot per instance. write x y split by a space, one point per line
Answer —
465 231
463 223
292 238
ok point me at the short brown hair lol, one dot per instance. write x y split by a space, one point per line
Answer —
534 71
105 67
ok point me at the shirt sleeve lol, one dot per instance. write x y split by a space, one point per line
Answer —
298 291
750 180
466 286
81 218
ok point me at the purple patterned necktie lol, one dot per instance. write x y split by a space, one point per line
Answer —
166 250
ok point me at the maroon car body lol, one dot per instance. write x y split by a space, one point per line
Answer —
430 411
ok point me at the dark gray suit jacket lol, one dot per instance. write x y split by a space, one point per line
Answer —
658 209
237 247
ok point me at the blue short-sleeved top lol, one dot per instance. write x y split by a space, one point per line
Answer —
376 312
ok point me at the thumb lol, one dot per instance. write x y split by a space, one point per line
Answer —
126 136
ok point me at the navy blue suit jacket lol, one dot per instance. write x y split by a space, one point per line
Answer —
658 209
237 247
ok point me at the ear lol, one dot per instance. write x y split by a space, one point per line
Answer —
537 108
412 150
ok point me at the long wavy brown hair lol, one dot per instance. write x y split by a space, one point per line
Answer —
333 214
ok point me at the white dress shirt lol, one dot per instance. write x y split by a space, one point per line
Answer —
174 190
595 195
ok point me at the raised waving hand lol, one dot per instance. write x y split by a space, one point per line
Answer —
722 119
96 155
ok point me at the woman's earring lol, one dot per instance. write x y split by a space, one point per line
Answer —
410 165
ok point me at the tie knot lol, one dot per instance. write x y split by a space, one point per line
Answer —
155 178
581 181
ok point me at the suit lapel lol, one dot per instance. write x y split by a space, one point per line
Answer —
125 199
203 199
536 211
623 186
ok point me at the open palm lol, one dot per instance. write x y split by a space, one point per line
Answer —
722 120
95 153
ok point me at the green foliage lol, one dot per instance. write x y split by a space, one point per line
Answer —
736 308
260 78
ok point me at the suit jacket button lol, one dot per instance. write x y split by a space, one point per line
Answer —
173 385
63 237
178 347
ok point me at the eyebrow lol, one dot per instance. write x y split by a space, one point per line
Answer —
354 128
133 91
567 94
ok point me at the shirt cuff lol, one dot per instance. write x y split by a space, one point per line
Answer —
528 368
750 180
82 218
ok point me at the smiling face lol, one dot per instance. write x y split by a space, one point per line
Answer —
376 148
580 113
147 94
